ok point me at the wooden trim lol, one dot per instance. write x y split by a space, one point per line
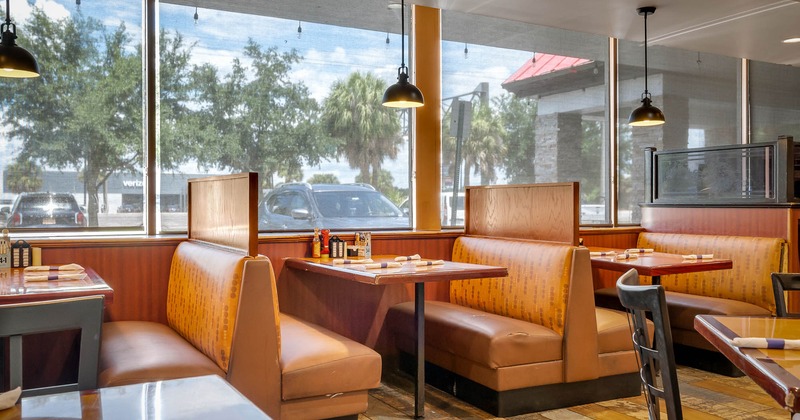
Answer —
427 66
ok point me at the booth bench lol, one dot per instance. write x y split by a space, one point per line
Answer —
529 342
223 319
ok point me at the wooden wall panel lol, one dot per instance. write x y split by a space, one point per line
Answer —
138 273
547 212
223 210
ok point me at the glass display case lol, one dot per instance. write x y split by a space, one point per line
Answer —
761 173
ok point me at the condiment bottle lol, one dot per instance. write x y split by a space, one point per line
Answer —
315 244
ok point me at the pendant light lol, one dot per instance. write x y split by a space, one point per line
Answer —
15 61
646 115
402 94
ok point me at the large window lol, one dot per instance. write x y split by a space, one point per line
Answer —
698 94
297 100
292 90
774 106
523 104
72 138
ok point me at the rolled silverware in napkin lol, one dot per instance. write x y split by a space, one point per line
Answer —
73 268
343 261
383 265
424 263
9 399
53 276
626 256
698 257
639 250
408 258
765 343
602 253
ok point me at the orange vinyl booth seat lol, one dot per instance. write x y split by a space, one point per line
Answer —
223 319
529 342
746 289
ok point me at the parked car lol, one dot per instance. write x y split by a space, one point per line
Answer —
46 210
130 208
302 206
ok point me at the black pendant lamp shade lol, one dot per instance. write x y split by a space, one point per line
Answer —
646 115
402 94
15 61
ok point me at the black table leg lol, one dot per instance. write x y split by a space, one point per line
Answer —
419 320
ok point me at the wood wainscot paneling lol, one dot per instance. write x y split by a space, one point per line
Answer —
612 238
352 309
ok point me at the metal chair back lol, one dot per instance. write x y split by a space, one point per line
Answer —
782 282
81 313
655 356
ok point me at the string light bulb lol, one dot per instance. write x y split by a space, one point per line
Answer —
466 51
196 16
299 29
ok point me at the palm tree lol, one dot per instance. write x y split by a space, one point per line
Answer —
368 132
484 150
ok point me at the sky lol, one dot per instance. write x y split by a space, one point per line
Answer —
219 37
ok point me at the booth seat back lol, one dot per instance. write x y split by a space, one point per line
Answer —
548 284
754 259
536 289
203 298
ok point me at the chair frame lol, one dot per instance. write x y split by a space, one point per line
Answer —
656 355
782 282
84 313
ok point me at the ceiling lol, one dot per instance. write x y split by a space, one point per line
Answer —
750 29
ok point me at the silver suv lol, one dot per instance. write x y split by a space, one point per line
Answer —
302 206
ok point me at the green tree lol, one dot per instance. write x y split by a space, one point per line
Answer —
592 189
85 111
323 179
367 131
484 149
23 176
519 116
257 119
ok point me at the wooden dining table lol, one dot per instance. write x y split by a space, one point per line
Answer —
405 274
655 264
198 398
775 370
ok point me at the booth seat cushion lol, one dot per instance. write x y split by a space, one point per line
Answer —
684 307
613 331
489 340
135 351
317 362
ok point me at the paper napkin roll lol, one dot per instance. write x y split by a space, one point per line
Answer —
424 263
383 265
639 250
765 343
698 257
627 256
343 261
53 276
72 268
408 258
9 399
602 253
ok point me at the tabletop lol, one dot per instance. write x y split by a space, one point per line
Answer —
656 263
777 371
406 273
198 398
14 289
